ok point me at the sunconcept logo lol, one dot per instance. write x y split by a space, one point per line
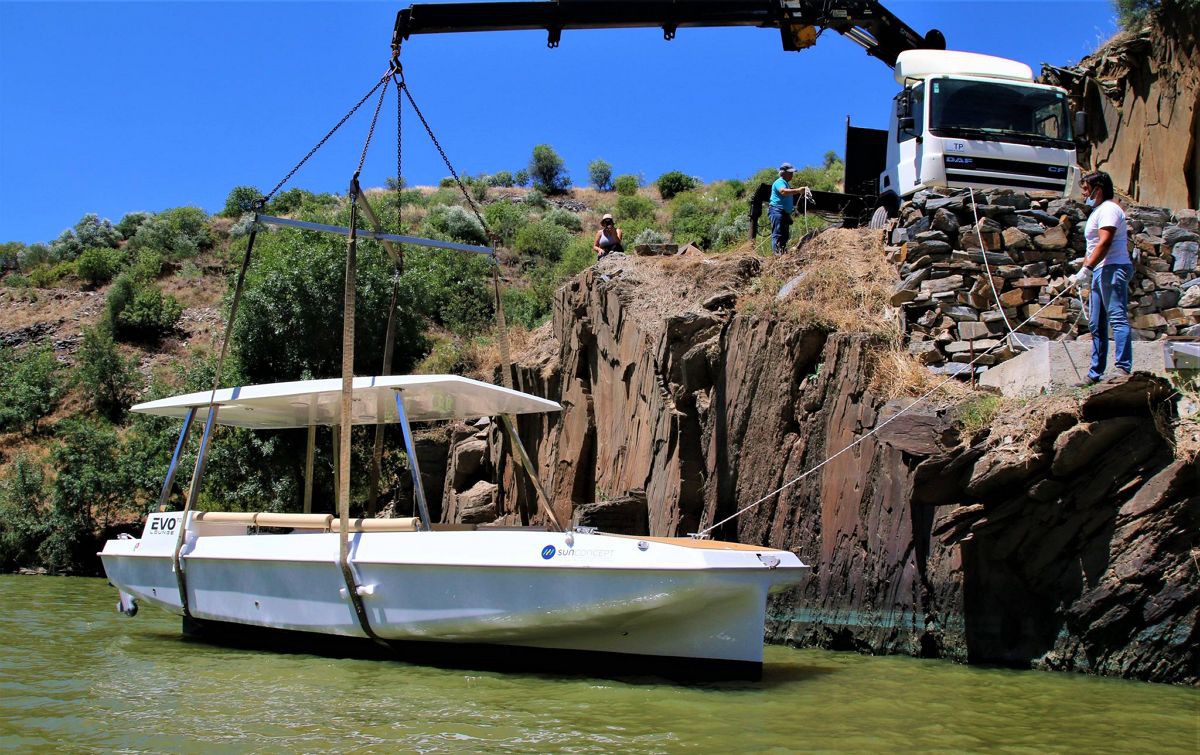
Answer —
548 552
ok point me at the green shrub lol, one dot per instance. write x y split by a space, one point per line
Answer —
32 256
692 219
137 310
49 276
521 177
564 218
503 179
289 322
600 174
454 224
542 239
131 223
505 219
110 380
529 306
240 200
66 247
10 255
87 491
147 265
177 233
651 236
578 256
548 171
627 184
633 207
23 524
98 265
732 233
16 280
30 385
673 182
448 183
536 199
92 231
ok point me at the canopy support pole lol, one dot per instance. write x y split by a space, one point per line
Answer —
523 458
193 494
410 447
165 496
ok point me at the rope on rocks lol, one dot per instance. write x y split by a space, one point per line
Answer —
1013 342
704 533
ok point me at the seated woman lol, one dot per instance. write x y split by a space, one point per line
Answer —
608 238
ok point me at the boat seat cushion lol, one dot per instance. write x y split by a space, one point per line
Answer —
297 521
398 524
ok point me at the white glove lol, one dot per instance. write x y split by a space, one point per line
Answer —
1083 278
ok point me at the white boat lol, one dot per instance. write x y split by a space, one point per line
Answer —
409 580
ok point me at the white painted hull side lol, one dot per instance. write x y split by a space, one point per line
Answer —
525 588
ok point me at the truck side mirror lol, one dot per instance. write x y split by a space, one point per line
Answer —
906 123
904 105
1080 124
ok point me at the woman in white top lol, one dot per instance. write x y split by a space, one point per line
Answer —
1108 267
608 238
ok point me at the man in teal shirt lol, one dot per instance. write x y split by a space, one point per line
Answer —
781 207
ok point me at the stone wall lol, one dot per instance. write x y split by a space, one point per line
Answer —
1032 247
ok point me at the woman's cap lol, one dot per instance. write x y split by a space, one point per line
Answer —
786 168
607 216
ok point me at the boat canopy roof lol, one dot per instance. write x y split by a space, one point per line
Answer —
318 402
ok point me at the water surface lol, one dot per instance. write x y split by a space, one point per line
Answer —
76 676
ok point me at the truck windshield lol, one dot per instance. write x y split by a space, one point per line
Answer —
989 110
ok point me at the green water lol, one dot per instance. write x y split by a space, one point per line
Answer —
75 676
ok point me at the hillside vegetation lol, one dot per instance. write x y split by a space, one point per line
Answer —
107 314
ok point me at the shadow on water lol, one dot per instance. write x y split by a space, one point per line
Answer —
539 663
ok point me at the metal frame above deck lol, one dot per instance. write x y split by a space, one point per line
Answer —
378 236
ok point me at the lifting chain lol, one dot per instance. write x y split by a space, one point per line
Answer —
262 201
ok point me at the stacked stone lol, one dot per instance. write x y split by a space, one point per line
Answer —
1032 246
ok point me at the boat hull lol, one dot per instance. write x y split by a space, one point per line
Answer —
532 589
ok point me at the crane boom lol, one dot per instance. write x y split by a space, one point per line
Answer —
866 22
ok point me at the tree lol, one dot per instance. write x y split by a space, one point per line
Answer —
98 264
674 182
240 200
1133 12
92 232
88 490
547 170
627 184
111 380
600 174
30 386
23 524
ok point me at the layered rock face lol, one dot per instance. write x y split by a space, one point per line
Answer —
1058 539
1141 91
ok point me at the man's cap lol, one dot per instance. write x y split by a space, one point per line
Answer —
607 216
786 167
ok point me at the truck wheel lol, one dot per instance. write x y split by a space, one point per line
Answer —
879 219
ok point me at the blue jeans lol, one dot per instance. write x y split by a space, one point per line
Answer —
781 228
1109 307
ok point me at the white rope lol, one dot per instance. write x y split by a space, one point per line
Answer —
991 281
877 428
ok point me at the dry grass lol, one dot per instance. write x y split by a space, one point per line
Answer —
1185 432
844 284
897 374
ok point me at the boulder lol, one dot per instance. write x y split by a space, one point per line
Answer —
624 515
477 505
1082 443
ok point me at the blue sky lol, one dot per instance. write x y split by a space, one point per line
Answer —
111 107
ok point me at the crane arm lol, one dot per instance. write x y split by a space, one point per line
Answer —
866 22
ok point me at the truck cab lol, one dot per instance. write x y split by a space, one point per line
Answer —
969 120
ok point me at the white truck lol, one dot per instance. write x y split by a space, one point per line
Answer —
968 120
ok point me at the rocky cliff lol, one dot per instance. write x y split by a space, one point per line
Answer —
1056 537
1141 91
